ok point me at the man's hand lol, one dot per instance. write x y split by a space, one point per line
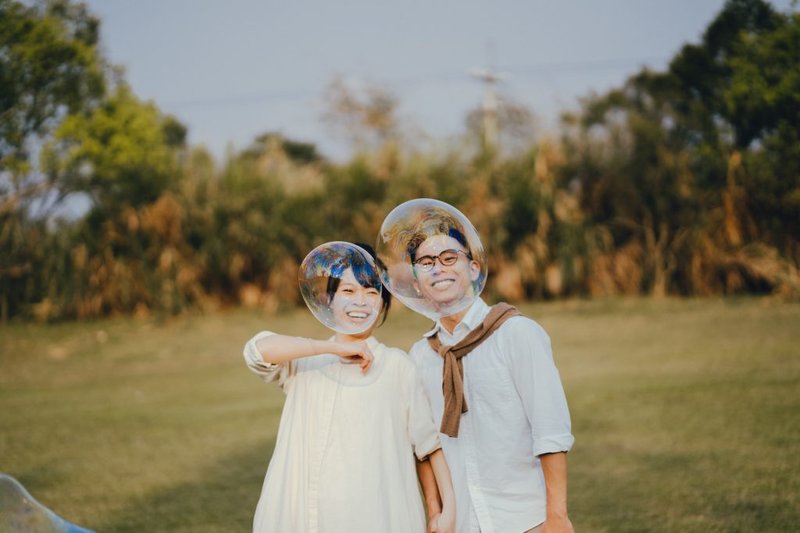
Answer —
557 524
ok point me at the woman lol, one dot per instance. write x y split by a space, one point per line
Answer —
354 420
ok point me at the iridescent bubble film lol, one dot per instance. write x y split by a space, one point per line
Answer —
19 511
341 285
434 260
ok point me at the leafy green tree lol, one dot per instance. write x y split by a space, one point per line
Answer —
122 153
297 151
764 96
690 164
739 90
49 67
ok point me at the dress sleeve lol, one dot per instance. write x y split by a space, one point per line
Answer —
255 362
422 430
538 384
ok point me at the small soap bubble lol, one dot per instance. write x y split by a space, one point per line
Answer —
341 285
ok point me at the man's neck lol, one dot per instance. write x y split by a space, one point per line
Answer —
450 322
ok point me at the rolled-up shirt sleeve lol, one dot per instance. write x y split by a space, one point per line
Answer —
422 431
269 372
538 384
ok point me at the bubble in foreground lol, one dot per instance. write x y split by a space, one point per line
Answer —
341 285
434 260
19 511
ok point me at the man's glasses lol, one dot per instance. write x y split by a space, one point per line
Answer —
446 258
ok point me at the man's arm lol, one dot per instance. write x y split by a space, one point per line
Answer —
538 384
554 467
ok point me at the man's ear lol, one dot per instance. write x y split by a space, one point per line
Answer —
474 270
414 283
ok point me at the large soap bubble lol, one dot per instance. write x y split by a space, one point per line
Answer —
19 511
341 285
434 260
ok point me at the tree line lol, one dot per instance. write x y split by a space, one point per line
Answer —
679 182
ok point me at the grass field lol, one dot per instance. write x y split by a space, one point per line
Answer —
686 415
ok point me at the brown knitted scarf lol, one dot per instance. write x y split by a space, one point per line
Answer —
453 374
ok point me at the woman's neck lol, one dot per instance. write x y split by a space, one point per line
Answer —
353 337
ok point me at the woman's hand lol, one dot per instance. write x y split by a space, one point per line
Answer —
433 523
355 353
444 522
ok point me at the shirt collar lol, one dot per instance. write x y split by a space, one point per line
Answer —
477 312
371 341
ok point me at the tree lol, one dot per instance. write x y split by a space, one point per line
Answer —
367 117
515 125
762 100
49 67
689 165
122 153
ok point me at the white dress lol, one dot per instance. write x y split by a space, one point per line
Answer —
344 456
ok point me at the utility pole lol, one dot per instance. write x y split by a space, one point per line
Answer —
489 107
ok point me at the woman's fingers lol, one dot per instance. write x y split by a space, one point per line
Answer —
357 353
366 359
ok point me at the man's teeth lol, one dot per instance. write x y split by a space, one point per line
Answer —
440 282
357 314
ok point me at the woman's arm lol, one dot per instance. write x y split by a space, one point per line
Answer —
446 521
279 349
430 491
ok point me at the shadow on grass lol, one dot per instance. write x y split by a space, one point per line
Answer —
223 499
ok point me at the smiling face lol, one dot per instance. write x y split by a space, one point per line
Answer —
445 285
354 306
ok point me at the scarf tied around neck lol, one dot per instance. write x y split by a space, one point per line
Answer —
453 372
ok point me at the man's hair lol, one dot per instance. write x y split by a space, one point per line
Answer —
421 236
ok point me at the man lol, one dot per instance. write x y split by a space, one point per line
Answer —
507 438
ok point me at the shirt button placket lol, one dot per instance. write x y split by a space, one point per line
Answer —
466 436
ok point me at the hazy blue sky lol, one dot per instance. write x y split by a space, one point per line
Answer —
232 69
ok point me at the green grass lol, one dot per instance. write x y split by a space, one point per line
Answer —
686 415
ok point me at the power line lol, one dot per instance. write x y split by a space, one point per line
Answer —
533 70
565 66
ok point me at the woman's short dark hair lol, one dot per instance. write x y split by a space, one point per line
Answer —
363 273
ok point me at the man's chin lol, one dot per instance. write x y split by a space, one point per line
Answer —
443 302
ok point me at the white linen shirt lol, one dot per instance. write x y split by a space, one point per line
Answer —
517 411
344 454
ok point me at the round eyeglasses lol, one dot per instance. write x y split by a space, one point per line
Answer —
446 258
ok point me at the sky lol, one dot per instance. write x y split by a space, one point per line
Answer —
231 70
